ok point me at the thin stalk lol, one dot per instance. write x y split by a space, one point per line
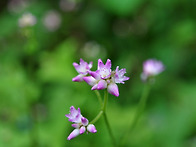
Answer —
103 112
97 117
106 119
99 97
140 109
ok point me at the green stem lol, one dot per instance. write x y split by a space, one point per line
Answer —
106 119
140 109
109 129
97 117
103 112
99 97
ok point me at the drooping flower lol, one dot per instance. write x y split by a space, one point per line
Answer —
104 77
151 68
81 124
83 69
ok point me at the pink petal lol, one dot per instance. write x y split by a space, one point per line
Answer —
84 121
113 89
91 128
75 125
94 87
101 85
73 134
95 75
78 78
82 130
90 80
108 64
100 64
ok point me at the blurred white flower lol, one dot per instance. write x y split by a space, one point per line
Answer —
52 20
27 20
92 50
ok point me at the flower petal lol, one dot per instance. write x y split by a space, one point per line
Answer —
78 78
91 128
108 64
113 89
100 64
73 134
75 125
95 75
84 121
101 85
82 130
94 87
90 80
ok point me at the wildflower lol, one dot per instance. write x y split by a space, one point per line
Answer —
83 69
81 124
104 77
151 68
27 20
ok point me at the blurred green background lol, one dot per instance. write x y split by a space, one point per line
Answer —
36 69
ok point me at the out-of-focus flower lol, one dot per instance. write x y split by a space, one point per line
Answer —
17 5
104 77
27 20
52 20
83 69
67 5
92 50
81 124
151 68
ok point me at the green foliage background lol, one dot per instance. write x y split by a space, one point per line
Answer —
36 69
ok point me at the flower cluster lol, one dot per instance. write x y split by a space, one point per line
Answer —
151 68
102 78
81 124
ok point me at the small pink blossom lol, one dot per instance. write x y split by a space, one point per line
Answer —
151 68
81 124
83 69
105 78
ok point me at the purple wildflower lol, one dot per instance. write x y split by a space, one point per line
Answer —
83 69
75 115
81 124
104 77
151 68
119 75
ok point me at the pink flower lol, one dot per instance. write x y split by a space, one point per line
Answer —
83 69
119 75
104 71
151 68
81 124
104 77
74 115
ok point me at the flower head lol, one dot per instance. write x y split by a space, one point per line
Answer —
83 69
104 70
81 124
119 75
104 78
151 68
74 115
